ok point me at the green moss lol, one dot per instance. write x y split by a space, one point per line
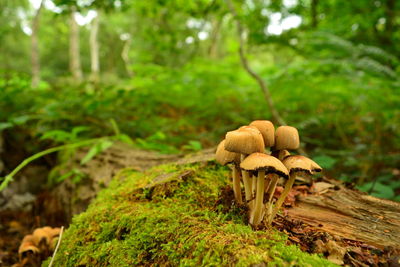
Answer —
177 220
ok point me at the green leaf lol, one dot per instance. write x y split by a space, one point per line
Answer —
379 190
95 150
193 145
77 130
5 125
325 161
125 138
58 136
20 120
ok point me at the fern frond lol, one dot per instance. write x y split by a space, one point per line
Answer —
375 67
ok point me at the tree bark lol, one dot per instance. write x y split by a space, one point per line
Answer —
94 50
35 60
125 56
390 14
350 215
314 13
215 36
74 54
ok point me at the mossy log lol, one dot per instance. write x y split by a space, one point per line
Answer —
173 215
183 214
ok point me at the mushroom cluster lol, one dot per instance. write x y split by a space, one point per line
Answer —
38 245
258 155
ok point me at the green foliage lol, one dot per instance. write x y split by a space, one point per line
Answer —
336 80
175 222
347 120
384 186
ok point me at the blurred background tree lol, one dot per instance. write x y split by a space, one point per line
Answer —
169 74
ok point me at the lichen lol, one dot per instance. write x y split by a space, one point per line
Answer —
171 216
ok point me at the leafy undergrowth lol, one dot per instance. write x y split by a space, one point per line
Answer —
171 215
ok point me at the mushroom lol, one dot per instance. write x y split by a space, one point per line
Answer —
225 157
43 236
245 140
267 130
286 137
296 165
263 164
28 244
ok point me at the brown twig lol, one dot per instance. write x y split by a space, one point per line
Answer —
58 244
267 94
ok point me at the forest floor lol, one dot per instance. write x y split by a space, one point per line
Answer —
345 225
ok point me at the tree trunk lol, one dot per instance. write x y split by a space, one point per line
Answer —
74 55
314 13
94 50
35 60
125 56
215 36
390 15
348 214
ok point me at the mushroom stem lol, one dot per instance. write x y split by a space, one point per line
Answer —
281 199
270 192
272 186
236 184
266 185
258 206
253 187
246 183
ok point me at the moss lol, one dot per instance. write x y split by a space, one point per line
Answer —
171 215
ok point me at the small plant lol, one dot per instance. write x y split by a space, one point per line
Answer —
261 169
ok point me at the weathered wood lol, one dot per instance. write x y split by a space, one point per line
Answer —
351 214
75 197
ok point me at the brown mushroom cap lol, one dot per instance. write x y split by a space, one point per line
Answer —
286 137
298 163
42 235
264 162
55 232
223 156
267 130
28 244
245 140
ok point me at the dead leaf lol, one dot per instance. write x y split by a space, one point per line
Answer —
336 252
322 187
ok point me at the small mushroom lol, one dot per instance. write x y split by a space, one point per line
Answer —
225 157
286 137
296 165
28 245
245 140
43 236
267 130
263 164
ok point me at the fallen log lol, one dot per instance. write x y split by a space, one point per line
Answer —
351 214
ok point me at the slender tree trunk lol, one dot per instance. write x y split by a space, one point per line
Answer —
125 56
214 40
74 55
35 60
94 50
390 15
314 13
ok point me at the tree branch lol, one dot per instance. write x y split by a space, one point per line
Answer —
267 94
